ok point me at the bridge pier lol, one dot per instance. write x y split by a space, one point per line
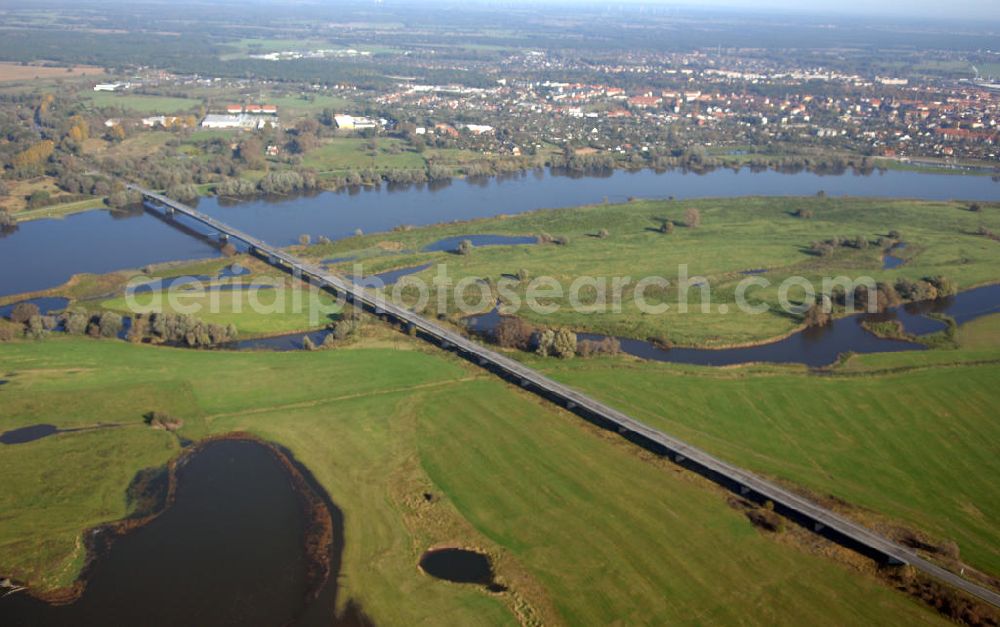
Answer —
223 237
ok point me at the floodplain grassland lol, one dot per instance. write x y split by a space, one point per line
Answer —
908 437
735 235
584 527
353 153
257 311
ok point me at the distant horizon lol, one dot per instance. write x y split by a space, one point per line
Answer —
955 10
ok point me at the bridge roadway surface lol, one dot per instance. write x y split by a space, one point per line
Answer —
680 451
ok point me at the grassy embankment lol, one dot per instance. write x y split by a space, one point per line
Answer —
735 235
585 528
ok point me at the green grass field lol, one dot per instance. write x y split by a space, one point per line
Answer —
735 235
141 103
584 528
351 153
255 313
909 441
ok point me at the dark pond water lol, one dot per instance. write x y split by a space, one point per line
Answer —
229 551
460 566
99 241
179 282
27 434
288 342
450 244
46 304
813 347
890 261
388 278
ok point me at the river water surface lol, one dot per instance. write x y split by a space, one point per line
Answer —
99 241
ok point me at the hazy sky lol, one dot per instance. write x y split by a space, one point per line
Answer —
962 9
978 10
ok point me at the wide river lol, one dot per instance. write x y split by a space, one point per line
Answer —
45 253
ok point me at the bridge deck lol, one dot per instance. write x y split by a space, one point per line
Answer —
678 449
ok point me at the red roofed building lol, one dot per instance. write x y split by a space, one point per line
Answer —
234 109
644 101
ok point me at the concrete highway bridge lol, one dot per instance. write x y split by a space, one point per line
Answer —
738 480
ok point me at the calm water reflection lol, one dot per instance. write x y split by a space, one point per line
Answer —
98 241
229 551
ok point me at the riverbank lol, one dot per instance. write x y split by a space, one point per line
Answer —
209 191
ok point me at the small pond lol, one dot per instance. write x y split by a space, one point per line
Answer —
388 278
890 261
450 244
230 550
460 566
286 342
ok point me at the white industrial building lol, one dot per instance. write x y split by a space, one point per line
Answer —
352 123
242 121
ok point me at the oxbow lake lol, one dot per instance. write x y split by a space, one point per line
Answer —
101 241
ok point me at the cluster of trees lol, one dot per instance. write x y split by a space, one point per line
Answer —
235 187
559 240
287 182
556 343
817 315
347 326
606 346
180 330
827 247
7 221
123 198
184 192
163 420
513 332
74 322
886 295
927 288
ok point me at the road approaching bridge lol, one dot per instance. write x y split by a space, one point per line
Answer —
744 482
